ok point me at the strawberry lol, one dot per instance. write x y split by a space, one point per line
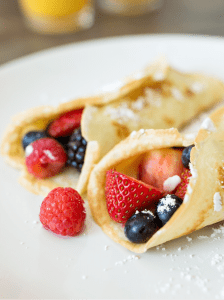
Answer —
125 195
160 164
182 186
65 124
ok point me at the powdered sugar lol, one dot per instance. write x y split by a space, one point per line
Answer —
194 172
138 104
153 97
130 258
208 125
177 94
171 183
146 211
197 87
217 200
159 76
167 202
122 113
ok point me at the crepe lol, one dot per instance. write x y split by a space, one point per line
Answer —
203 203
173 94
159 97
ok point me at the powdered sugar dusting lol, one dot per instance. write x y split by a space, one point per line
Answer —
186 198
153 97
167 202
197 87
130 258
208 125
194 172
138 104
121 114
177 94
146 211
133 133
217 200
171 183
159 76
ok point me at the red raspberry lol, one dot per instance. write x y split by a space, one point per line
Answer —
63 212
45 158
65 124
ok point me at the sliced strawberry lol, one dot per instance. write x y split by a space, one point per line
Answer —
125 195
65 124
182 186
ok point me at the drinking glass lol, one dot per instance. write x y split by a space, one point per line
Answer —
58 16
129 7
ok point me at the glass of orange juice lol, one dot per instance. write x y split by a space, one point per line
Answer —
129 7
58 16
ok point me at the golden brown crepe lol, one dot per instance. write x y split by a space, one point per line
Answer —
203 203
162 98
174 98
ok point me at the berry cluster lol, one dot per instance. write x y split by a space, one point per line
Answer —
142 206
48 151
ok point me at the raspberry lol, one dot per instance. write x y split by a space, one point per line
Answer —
63 212
45 158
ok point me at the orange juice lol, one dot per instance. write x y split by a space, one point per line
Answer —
130 7
58 16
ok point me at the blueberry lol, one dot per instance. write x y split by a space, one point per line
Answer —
32 136
186 156
140 227
166 207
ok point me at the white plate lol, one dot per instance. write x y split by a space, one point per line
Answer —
37 264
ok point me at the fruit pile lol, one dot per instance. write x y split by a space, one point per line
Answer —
60 144
146 204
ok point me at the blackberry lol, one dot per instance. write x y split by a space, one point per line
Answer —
76 149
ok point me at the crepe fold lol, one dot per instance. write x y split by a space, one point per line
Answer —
159 97
156 97
203 203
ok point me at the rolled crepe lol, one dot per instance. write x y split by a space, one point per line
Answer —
203 203
159 97
37 119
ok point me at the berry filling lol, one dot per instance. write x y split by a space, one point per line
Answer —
66 133
147 204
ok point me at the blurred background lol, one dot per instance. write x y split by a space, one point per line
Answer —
202 17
